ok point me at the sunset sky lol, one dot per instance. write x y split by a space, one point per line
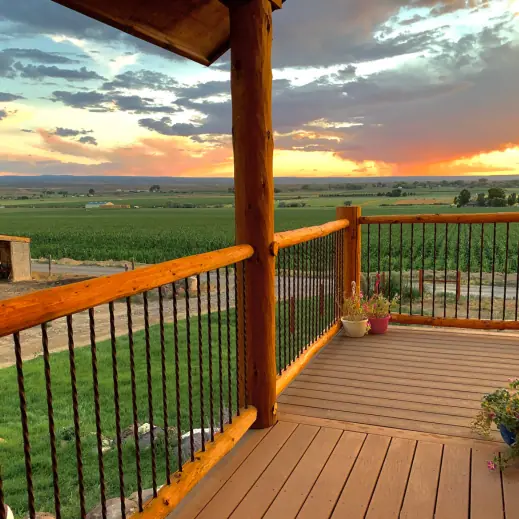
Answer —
361 88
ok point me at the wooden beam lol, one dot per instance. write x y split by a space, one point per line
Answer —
290 238
300 363
169 496
443 218
5 237
20 313
478 324
251 88
352 246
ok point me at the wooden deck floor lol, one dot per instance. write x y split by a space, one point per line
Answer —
372 430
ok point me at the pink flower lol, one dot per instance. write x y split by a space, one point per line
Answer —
491 415
512 379
491 465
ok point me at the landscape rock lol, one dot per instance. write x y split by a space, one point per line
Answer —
143 431
113 509
42 515
8 512
147 494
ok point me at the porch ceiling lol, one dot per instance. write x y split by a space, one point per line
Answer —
196 29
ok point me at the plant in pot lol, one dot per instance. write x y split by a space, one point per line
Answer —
502 409
354 318
378 310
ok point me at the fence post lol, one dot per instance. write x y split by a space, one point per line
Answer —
352 246
251 89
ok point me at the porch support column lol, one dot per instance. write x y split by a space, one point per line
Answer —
251 88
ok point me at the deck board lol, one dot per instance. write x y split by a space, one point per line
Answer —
366 432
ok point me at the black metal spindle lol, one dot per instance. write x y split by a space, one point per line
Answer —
401 264
210 354
411 273
481 268
445 261
164 385
422 283
284 322
189 371
329 262
245 357
506 269
97 411
25 426
457 270
201 358
135 415
315 298
220 349
228 320
115 378
493 271
434 269
517 284
50 416
288 304
469 269
2 498
308 289
320 288
177 377
368 264
237 332
279 303
297 299
75 409
390 246
378 252
149 380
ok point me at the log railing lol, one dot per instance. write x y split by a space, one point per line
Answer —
150 390
456 270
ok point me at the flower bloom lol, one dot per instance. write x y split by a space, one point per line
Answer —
491 415
491 465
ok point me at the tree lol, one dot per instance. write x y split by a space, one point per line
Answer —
396 192
91 191
496 192
512 199
497 202
155 188
463 198
277 190
347 203
482 180
481 200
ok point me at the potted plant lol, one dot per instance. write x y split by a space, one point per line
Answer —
354 318
502 409
378 310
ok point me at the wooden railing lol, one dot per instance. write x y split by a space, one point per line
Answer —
168 389
458 270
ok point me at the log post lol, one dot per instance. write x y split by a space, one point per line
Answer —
251 89
352 246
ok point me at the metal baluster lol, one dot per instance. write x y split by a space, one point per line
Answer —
517 284
25 427
245 361
164 385
434 270
308 288
297 299
201 358
278 277
493 272
284 322
237 331
379 242
97 410
228 311
469 269
401 262
2 498
150 393
457 270
177 378
115 378
411 273
189 371
220 361
368 266
481 268
506 269
75 409
423 270
445 259
210 354
390 258
50 416
288 305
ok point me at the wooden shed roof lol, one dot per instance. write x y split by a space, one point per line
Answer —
196 29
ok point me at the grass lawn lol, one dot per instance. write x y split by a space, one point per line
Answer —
11 450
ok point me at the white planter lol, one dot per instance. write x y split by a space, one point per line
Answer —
355 328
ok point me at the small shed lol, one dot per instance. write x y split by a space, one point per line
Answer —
15 258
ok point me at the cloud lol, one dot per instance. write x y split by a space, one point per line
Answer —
69 132
6 63
99 102
43 71
88 139
6 97
39 56
3 114
141 79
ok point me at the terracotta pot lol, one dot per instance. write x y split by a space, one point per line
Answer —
379 324
355 328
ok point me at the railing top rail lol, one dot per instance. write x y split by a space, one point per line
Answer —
511 217
20 313
288 238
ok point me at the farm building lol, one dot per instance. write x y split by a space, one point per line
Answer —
98 205
15 258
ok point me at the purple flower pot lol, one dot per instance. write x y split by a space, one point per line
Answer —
509 437
379 324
